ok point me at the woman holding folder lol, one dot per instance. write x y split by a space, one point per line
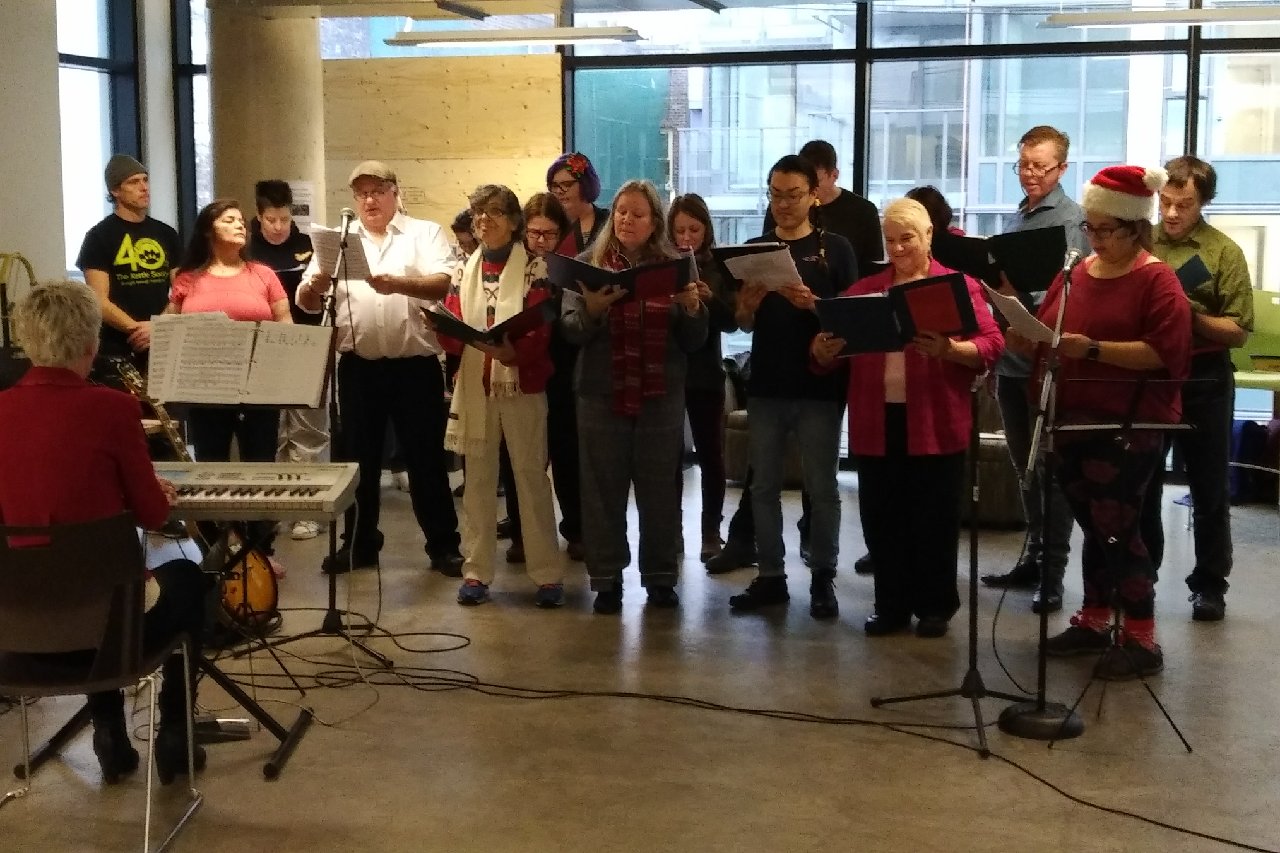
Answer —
630 383
499 395
909 423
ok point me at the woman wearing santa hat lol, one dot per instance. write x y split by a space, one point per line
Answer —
1126 320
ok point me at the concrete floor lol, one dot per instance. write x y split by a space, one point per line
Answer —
453 767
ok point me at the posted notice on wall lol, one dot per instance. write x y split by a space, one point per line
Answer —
304 194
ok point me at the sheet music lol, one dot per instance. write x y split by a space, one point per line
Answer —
288 365
1018 317
198 358
694 275
772 269
327 243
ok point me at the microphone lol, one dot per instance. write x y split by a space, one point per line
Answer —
1073 257
348 215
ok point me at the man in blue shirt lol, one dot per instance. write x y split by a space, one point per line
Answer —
1042 161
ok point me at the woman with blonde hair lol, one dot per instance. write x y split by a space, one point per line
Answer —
630 385
909 422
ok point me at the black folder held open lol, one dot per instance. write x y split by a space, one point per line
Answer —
647 281
514 327
886 322
1029 259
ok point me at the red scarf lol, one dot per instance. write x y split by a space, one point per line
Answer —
638 330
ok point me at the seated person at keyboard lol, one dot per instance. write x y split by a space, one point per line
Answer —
75 452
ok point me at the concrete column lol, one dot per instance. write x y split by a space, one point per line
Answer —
267 103
31 209
155 86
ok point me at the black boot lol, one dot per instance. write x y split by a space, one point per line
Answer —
1051 599
116 755
823 603
171 753
733 556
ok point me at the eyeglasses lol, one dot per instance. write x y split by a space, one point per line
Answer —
1032 170
368 194
491 212
562 186
1102 233
788 198
540 234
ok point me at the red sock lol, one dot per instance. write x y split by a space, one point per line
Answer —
1141 631
1094 618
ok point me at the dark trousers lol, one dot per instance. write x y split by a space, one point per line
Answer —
562 450
408 393
1104 480
910 511
179 609
1208 402
254 429
705 408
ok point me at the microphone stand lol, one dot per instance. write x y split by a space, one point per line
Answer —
1039 719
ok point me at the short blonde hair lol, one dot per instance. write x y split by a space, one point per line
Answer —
58 323
910 214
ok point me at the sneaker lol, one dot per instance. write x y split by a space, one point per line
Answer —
549 595
401 479
663 596
1208 606
733 556
1076 640
864 566
1129 661
515 554
347 559
608 601
1024 575
305 530
823 603
762 592
472 592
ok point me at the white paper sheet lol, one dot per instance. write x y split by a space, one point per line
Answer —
772 269
288 364
1018 317
327 242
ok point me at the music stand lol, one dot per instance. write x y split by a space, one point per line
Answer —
971 686
333 624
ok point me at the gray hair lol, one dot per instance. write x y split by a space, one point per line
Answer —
912 215
505 199
58 323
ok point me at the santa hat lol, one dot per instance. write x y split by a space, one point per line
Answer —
1124 192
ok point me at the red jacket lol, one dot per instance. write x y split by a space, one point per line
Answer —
938 404
71 451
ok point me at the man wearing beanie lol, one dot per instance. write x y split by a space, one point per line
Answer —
1124 351
128 259
1042 161
1213 272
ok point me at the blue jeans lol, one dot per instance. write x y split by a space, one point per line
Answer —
816 424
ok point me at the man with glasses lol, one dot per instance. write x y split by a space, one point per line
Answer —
1221 319
389 369
1042 162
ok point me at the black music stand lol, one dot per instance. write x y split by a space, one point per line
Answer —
971 686
333 624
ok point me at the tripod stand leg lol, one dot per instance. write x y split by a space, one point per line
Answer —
288 737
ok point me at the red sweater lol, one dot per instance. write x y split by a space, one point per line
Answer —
938 404
73 452
1147 304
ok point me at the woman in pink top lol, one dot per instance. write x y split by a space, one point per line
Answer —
909 421
216 275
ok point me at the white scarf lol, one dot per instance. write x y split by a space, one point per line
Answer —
468 416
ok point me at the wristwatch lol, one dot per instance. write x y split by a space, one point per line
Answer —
1094 351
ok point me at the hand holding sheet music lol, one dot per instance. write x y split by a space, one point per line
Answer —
769 264
328 243
1018 317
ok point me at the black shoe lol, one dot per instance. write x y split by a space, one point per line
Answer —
762 592
447 563
608 601
1024 575
505 527
823 603
116 756
460 489
348 558
1049 603
805 554
1122 663
575 550
732 557
171 754
864 566
880 625
1076 640
663 596
515 554
931 627
1208 607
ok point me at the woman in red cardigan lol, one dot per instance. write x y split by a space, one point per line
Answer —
909 421
500 395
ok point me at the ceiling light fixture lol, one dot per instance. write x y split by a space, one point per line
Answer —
461 9
526 36
1166 17
713 5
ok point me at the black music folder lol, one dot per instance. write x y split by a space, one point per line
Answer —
1029 259
722 254
647 281
886 322
514 327
1192 274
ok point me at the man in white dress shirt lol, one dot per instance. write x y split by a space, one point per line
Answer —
389 369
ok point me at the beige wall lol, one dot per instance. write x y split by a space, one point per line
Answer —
444 125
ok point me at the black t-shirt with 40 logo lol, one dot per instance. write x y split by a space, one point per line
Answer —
138 258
